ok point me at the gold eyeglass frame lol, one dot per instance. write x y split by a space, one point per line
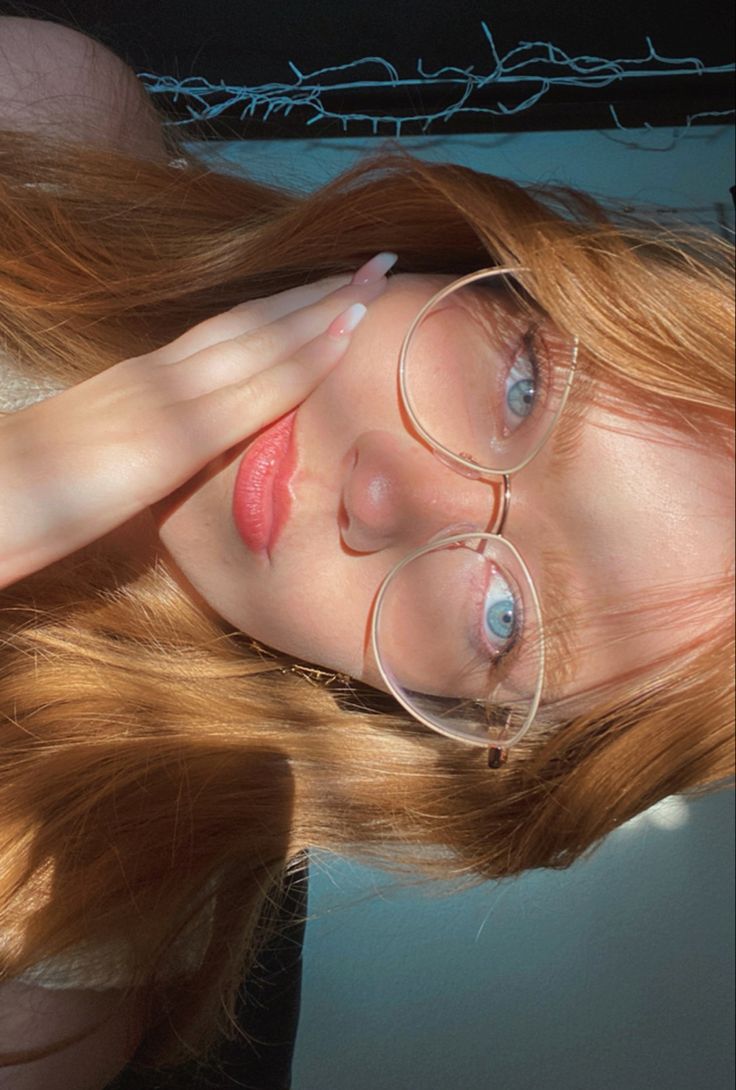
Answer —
497 754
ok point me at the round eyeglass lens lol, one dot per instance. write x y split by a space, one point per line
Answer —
457 635
485 374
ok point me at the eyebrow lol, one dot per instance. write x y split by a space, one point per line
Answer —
558 573
558 570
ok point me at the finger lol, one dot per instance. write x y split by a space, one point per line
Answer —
217 421
246 316
247 354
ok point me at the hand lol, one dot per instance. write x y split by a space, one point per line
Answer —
83 462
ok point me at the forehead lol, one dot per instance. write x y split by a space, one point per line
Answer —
644 518
654 485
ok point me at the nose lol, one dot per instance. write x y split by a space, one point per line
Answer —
397 493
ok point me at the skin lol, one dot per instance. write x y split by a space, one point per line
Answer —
628 511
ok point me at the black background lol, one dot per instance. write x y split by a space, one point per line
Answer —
250 42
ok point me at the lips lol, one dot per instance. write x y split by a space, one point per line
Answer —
261 495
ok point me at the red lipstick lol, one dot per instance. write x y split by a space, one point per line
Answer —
261 495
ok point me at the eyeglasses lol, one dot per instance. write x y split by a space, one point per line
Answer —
457 627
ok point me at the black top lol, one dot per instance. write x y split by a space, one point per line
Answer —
270 1014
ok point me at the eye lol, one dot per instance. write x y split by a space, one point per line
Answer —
501 615
522 384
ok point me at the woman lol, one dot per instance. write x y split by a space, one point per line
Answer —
213 652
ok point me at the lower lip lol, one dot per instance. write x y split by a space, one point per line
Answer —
261 496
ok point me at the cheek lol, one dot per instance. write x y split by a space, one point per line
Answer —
322 621
202 546
362 392
192 525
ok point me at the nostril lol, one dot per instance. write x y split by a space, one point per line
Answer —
350 461
368 510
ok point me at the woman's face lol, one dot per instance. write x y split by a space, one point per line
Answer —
602 512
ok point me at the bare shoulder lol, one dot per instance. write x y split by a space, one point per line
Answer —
52 76
33 1017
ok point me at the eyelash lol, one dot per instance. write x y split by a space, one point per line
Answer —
528 342
480 643
541 376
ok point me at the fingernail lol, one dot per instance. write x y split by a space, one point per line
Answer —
347 321
373 270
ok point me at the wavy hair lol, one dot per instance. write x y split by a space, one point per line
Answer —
148 754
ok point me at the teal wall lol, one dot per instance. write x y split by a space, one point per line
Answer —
694 171
614 975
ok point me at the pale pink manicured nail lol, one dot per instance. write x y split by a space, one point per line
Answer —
373 270
347 321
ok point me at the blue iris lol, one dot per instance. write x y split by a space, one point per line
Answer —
501 617
520 398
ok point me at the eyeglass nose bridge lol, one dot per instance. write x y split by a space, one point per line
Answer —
500 520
